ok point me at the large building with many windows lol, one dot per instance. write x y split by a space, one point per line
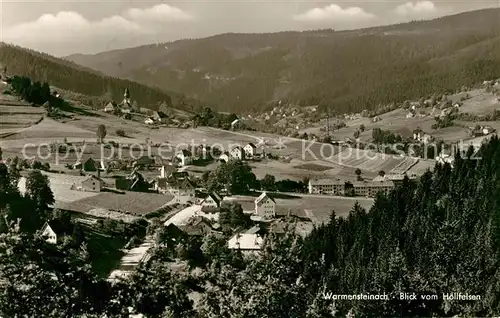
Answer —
357 188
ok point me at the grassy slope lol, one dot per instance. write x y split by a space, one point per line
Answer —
347 70
69 76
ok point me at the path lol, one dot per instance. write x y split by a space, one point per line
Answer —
132 259
136 255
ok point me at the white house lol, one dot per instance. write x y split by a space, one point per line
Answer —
246 242
250 150
265 206
93 184
149 121
110 107
185 157
224 157
237 153
53 231
234 123
212 200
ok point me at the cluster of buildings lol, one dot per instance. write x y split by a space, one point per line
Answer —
125 107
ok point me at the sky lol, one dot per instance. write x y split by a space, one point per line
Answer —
64 27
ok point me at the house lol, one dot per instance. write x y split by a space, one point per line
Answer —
265 206
110 107
144 161
176 187
225 157
250 150
246 242
149 121
421 136
89 165
160 116
93 184
235 123
166 170
185 157
54 231
197 226
237 153
212 200
487 130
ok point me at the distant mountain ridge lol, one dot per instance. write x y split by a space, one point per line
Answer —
70 76
344 70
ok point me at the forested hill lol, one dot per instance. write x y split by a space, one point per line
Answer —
72 77
349 70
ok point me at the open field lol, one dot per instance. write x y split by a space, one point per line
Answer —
134 203
320 206
60 185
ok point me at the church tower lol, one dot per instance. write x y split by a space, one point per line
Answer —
126 97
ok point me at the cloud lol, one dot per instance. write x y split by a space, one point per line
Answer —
160 12
74 32
418 10
335 14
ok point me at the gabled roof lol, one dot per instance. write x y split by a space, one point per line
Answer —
214 196
262 197
58 227
92 177
251 145
234 122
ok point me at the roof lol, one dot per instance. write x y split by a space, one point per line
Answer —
246 241
326 182
214 197
372 184
262 197
160 114
237 148
92 177
234 122
251 145
58 227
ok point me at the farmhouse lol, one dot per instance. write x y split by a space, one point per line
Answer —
110 107
212 200
421 136
149 121
185 157
54 231
197 226
250 150
93 184
224 157
237 153
246 242
160 116
265 206
89 165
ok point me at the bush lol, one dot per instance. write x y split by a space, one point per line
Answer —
120 132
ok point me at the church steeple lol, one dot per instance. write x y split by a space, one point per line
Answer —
127 93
